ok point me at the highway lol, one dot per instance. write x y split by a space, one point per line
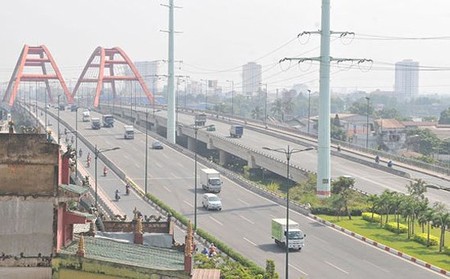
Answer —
244 222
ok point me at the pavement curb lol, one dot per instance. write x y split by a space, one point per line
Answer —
381 246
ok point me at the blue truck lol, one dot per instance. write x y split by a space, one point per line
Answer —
236 131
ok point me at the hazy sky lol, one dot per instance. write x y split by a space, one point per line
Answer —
219 36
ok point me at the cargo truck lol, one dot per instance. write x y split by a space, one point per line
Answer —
95 123
236 131
210 180
296 236
129 132
108 121
86 116
200 119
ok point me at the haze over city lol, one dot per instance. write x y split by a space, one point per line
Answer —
217 37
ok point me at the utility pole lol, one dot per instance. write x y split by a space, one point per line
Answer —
170 83
323 164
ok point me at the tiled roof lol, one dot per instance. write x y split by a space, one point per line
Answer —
206 274
390 124
129 254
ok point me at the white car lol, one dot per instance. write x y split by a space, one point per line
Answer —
211 201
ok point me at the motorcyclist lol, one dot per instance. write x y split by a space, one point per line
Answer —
105 171
389 164
127 189
117 195
339 148
80 153
377 159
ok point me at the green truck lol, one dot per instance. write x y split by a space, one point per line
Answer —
296 236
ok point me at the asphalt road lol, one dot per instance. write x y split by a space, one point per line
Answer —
244 222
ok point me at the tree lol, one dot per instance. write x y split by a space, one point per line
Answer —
360 107
373 201
277 109
441 219
257 112
427 142
270 270
417 188
445 117
342 188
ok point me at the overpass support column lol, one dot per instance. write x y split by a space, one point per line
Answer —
191 144
223 157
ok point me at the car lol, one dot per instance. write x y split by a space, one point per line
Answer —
211 201
211 128
157 145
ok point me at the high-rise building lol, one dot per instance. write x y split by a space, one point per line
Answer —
149 71
251 78
407 79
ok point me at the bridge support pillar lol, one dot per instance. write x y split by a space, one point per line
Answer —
223 157
191 144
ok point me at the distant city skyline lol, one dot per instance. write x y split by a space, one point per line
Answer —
217 38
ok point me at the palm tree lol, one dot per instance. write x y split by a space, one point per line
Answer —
386 204
441 219
417 188
397 200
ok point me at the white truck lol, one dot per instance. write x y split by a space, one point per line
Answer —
86 116
210 180
296 236
129 132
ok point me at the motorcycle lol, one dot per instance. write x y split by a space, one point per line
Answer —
105 171
117 196
377 159
80 153
127 189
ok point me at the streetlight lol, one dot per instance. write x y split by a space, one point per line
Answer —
76 143
232 93
96 153
367 130
288 152
265 105
59 136
146 147
309 108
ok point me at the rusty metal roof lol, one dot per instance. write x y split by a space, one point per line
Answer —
206 274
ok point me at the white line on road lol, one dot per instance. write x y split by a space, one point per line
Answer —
320 239
298 269
167 189
251 242
180 165
379 267
340 269
244 202
248 220
215 220
188 203
157 164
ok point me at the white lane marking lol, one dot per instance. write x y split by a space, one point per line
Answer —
251 242
167 189
157 164
377 266
340 269
298 269
126 156
248 220
137 165
188 203
215 220
320 239
244 202
180 165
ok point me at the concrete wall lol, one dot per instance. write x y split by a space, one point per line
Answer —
26 226
26 272
28 165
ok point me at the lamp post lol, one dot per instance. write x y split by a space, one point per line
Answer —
309 107
59 136
367 130
288 152
76 142
146 147
96 153
232 95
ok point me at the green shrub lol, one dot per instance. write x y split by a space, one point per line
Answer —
368 217
422 238
392 226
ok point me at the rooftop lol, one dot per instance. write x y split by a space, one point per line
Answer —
130 254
